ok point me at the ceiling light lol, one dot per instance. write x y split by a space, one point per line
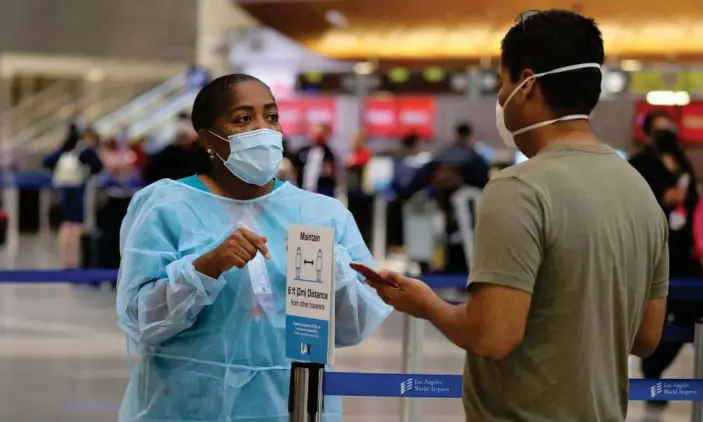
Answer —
336 19
630 65
364 68
669 98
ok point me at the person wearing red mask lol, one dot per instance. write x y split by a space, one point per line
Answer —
316 163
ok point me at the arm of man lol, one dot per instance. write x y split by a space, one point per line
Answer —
650 331
507 256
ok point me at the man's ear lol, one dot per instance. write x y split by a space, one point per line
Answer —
528 87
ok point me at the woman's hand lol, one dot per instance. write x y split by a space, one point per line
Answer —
239 248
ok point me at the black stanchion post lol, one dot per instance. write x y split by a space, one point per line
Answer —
697 412
306 399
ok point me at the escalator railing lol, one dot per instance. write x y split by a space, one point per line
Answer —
145 104
102 100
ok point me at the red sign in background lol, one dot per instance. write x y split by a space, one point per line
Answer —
691 123
297 115
394 117
688 119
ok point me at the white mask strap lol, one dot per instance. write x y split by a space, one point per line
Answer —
567 69
213 133
549 122
550 72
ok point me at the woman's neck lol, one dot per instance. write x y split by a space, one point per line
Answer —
221 182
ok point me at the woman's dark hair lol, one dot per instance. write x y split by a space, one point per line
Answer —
212 101
651 117
667 142
72 138
409 141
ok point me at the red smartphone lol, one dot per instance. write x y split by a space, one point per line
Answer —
370 274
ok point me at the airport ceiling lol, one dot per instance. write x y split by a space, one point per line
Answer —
472 29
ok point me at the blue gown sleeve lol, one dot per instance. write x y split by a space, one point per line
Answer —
159 293
358 309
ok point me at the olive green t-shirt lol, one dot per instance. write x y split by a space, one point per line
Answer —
580 230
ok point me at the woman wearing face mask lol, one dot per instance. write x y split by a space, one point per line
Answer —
201 292
669 173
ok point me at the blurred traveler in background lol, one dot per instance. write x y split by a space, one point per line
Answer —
120 161
72 164
184 157
655 121
409 159
456 167
359 203
668 171
315 163
462 156
286 172
571 269
359 155
202 282
141 158
453 168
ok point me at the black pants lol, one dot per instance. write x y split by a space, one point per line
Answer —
683 313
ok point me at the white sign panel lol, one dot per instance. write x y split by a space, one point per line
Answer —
310 294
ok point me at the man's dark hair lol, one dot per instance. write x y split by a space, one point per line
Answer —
212 101
464 130
552 39
651 117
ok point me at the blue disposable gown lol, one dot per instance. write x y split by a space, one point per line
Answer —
206 350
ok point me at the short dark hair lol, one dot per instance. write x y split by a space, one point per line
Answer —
212 101
410 140
552 39
651 117
464 129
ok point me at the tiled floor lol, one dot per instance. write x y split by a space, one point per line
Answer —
62 357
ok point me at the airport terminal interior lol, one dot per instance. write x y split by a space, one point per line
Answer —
379 89
60 346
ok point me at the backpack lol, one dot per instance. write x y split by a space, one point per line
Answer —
69 170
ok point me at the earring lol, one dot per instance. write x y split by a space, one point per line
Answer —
211 153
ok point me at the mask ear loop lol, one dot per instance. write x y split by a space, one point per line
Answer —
550 72
213 153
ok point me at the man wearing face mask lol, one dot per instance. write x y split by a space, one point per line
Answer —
571 269
316 163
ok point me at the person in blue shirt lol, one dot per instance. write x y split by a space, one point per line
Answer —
201 291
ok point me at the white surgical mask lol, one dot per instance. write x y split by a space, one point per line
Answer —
508 137
254 156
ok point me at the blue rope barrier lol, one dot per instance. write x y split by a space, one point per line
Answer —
57 276
672 333
450 386
443 387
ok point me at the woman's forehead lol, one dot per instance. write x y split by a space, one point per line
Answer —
251 93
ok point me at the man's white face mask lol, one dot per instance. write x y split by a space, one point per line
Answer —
506 135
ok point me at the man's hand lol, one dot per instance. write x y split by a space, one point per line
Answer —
411 296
